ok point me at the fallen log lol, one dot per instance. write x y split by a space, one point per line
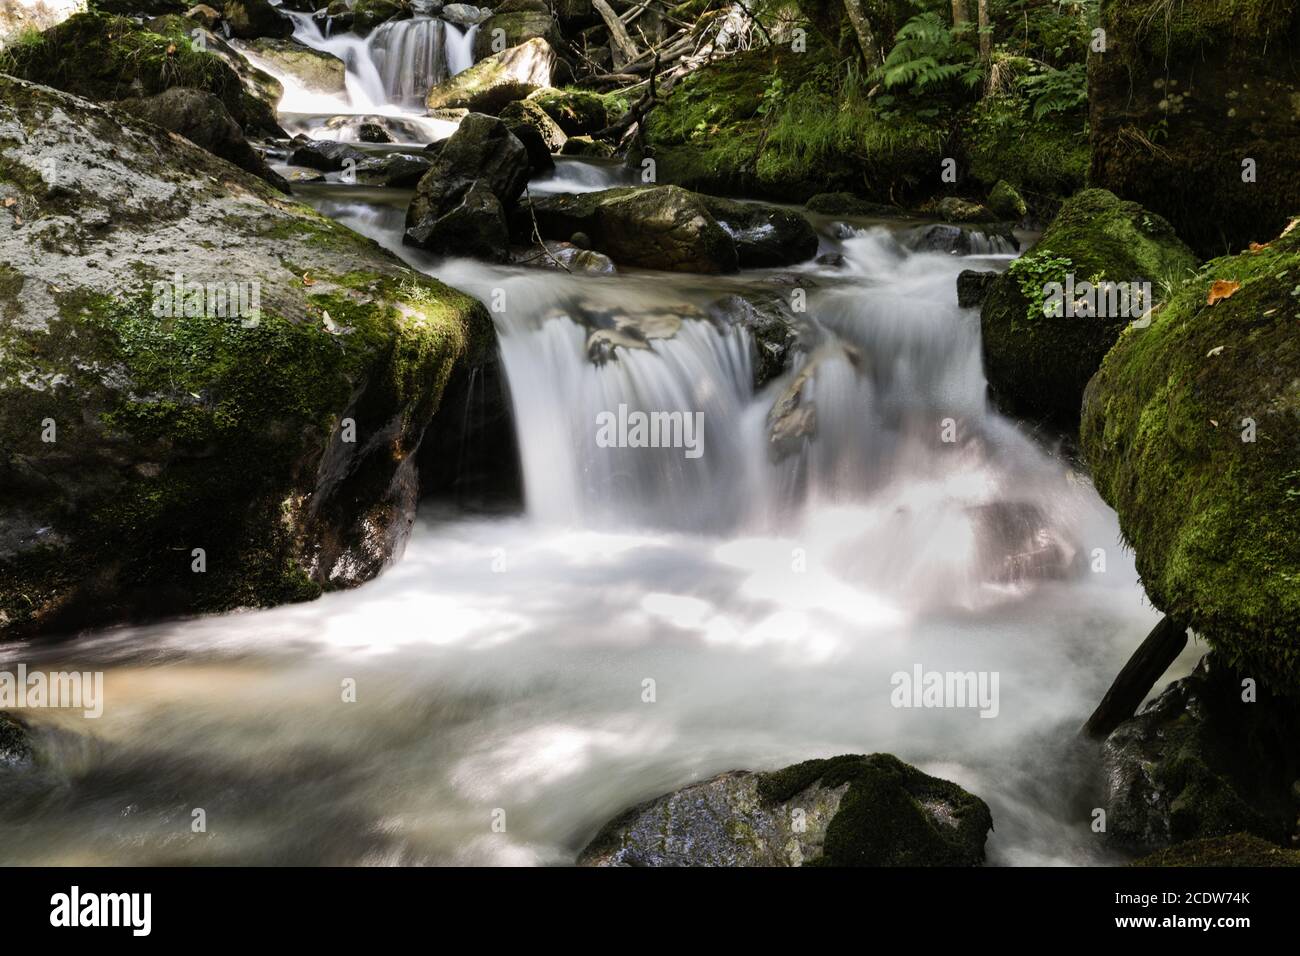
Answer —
624 49
1152 658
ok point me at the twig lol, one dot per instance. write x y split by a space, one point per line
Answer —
537 232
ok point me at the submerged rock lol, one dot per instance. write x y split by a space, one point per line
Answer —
844 811
210 397
1200 761
765 236
501 78
1190 429
961 240
15 743
1039 363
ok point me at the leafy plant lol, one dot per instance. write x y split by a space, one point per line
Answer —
1033 273
1055 91
928 54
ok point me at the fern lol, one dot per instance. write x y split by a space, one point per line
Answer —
1056 91
927 54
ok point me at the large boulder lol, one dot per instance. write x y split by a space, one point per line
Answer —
845 811
255 18
1192 431
1184 96
1202 760
317 70
1038 356
112 58
540 134
578 112
325 154
210 397
481 153
515 25
15 742
204 120
368 14
765 236
501 78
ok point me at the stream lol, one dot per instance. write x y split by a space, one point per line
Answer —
501 664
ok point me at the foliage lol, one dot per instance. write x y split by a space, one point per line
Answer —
928 54
1055 91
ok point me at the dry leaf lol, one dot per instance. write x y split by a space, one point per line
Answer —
307 280
1257 247
171 48
1290 225
18 220
1221 289
1214 423
9 201
1214 351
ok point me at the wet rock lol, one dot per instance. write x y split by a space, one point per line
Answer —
518 26
847 204
1039 363
577 112
765 236
464 14
833 260
15 742
203 119
325 154
660 227
566 255
373 133
957 240
1202 762
540 134
955 209
255 18
972 287
368 14
212 419
317 70
484 153
1005 203
397 170
499 79
204 14
773 324
586 146
844 811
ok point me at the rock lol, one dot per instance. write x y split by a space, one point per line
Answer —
204 14
773 324
1200 762
577 112
833 260
368 14
955 209
1237 849
394 170
105 59
967 240
972 287
15 742
586 146
203 119
1219 86
501 78
255 18
325 154
317 70
539 133
464 14
1039 364
575 14
847 204
373 133
1190 431
566 255
659 227
856 811
1005 203
517 28
214 431
765 236
482 152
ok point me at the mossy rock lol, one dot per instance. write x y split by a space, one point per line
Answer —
1190 92
1237 849
1214 519
109 58
586 146
368 14
1005 203
850 811
134 431
515 28
492 83
255 18
1046 158
1039 363
532 126
578 112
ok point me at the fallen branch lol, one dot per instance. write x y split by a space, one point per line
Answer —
623 45
537 232
635 113
1152 658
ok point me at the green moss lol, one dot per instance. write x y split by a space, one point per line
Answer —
882 819
1237 849
1047 156
578 112
1212 518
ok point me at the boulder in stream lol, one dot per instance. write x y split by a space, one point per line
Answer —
325 154
578 112
540 134
210 397
255 18
843 811
317 70
516 22
15 742
498 79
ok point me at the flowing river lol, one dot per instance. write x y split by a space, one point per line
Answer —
501 665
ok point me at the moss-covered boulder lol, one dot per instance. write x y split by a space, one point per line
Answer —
578 112
210 397
1192 431
532 126
318 71
1187 100
1005 203
1205 759
502 78
844 811
1037 355
255 18
108 58
515 26
1237 849
368 14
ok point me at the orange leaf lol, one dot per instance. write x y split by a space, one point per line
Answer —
171 48
1221 289
9 201
307 280
1256 247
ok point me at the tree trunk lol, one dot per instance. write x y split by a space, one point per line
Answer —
959 15
623 49
862 29
986 37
